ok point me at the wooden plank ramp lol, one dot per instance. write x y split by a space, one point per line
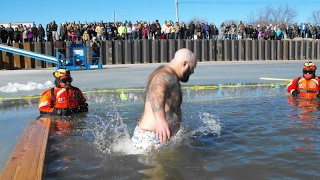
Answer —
27 159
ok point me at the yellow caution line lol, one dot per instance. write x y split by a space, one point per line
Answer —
228 86
114 90
18 98
140 89
275 79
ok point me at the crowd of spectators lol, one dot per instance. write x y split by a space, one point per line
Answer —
71 31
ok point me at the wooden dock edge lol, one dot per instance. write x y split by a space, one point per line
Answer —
28 157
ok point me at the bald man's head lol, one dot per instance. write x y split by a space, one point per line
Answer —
184 63
184 54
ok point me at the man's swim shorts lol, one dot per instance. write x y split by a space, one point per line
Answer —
145 140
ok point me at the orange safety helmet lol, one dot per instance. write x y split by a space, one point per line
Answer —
309 66
62 75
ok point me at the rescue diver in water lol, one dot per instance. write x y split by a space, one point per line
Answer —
63 99
306 86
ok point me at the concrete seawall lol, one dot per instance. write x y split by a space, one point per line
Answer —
161 51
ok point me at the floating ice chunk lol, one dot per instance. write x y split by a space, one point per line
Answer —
29 86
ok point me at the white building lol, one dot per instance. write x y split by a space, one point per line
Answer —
15 24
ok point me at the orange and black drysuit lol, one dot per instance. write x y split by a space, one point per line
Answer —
62 101
304 88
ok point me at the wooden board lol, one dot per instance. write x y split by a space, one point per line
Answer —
27 159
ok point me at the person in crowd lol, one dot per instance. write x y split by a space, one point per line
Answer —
145 31
167 31
158 30
161 116
80 25
100 32
183 30
134 30
214 32
85 36
30 34
163 27
241 30
206 30
307 85
41 33
272 34
122 31
108 31
192 28
173 31
16 35
114 31
20 29
234 30
25 34
73 36
198 29
139 32
71 28
95 50
55 35
49 32
63 32
60 49
34 31
279 34
153 29
9 30
63 99
129 31
1 33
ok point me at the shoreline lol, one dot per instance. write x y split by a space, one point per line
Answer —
135 76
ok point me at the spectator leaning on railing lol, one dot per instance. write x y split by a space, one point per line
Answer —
95 45
153 30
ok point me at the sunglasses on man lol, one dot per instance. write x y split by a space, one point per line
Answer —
308 72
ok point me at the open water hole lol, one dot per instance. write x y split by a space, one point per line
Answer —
236 132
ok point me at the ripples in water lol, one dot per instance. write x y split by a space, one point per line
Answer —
227 133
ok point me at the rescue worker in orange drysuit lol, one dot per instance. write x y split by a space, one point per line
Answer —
306 86
63 99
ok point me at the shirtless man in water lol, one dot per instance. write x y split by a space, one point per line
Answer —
161 117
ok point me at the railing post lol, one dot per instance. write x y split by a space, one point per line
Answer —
38 48
155 51
27 60
164 51
146 51
205 50
128 52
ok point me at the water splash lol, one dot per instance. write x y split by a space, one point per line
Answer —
209 124
111 134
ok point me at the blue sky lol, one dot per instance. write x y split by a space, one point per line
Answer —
216 11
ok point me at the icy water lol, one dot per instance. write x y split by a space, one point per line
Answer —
228 132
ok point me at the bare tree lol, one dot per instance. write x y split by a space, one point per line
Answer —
195 20
288 14
251 17
315 16
270 15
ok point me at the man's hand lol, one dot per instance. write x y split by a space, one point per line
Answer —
163 131
295 93
83 107
62 112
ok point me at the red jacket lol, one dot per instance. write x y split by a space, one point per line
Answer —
306 88
64 98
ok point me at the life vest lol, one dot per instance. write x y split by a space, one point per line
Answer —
59 98
65 98
308 88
